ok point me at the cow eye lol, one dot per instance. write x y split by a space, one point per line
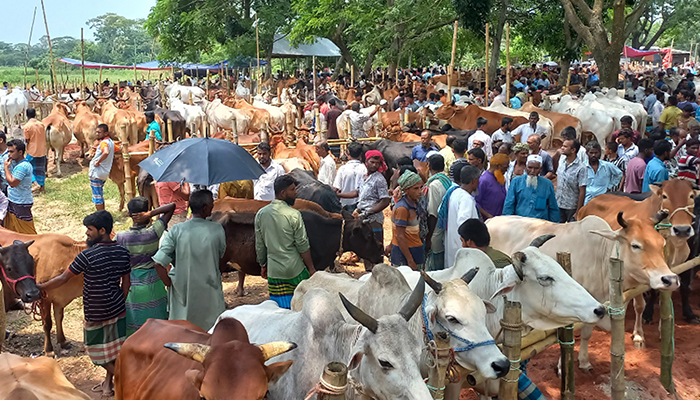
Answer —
545 280
636 246
451 319
664 197
386 365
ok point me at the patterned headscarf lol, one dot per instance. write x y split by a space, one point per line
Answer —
408 179
520 147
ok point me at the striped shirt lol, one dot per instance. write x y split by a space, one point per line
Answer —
103 266
142 244
687 169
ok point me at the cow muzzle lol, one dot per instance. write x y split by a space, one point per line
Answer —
670 282
682 231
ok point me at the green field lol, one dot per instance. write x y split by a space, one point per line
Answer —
68 76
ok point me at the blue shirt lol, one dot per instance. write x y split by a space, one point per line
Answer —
525 201
515 103
649 102
655 173
608 177
22 193
153 126
420 154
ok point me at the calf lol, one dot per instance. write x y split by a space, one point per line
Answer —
167 360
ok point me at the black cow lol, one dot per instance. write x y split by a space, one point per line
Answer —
324 240
309 188
447 129
178 123
17 275
151 97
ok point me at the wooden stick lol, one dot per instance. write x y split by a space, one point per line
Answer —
352 75
48 37
169 135
536 348
127 171
452 62
512 320
617 332
29 44
667 341
313 71
680 268
82 59
100 82
507 64
436 375
335 374
151 143
486 90
566 341
536 336
568 81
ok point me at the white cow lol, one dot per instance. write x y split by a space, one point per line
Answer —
591 243
382 355
277 117
594 120
13 106
183 92
453 306
373 97
636 110
544 122
225 117
341 122
194 116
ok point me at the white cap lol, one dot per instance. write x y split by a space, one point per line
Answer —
534 157
382 102
431 153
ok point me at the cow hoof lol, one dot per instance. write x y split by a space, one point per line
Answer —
646 321
692 319
639 343
583 366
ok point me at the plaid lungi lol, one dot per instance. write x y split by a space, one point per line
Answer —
147 299
97 187
39 164
282 290
104 339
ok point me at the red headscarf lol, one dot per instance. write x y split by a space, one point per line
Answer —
376 153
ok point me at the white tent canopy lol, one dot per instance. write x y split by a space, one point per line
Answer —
321 47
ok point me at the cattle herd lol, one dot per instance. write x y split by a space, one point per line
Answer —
379 324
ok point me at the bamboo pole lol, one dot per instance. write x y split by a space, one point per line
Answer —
667 341
536 336
617 332
568 81
36 72
29 44
452 60
680 268
507 64
135 77
335 374
100 82
127 171
82 60
536 348
48 37
169 135
151 143
441 356
486 89
352 75
313 71
566 342
511 323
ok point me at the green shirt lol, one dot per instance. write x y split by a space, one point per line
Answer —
194 248
280 238
500 259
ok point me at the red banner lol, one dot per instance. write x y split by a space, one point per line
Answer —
668 58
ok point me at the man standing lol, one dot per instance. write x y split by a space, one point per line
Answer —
18 172
350 177
373 197
326 172
626 148
482 137
420 151
174 192
656 171
626 123
447 153
603 176
407 246
634 175
100 165
331 119
531 128
357 121
281 243
503 135
264 185
491 193
194 248
533 143
669 117
571 182
3 157
35 135
531 195
460 148
105 266
147 297
436 187
460 206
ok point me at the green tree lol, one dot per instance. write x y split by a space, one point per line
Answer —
121 40
674 16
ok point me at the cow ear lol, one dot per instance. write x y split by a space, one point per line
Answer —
195 376
275 371
490 308
656 189
355 360
510 279
610 235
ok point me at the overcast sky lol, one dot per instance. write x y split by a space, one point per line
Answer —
65 17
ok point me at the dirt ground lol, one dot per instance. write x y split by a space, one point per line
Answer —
642 366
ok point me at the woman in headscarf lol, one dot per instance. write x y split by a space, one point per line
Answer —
491 193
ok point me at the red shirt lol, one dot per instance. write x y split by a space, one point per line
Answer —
166 194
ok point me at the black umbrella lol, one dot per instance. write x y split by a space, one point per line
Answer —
202 161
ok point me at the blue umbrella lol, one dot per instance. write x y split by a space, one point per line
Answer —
202 161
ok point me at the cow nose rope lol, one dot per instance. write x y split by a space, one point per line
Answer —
323 387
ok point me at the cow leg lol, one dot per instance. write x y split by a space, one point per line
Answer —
648 314
60 335
583 361
58 157
120 186
688 314
240 289
638 334
45 307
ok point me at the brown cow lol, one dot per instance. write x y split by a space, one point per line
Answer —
259 118
34 379
559 120
302 150
139 116
59 132
465 117
153 363
52 253
85 125
122 123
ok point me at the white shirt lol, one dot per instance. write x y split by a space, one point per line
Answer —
485 139
581 155
461 207
505 137
264 187
656 113
628 154
639 94
326 173
350 177
525 130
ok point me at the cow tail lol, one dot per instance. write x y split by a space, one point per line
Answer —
47 133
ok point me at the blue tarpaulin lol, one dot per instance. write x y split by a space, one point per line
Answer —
158 65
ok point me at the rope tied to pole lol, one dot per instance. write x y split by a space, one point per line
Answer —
615 310
323 387
571 343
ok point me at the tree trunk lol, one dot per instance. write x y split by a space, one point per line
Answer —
268 66
338 65
246 9
338 41
368 64
494 62
608 61
395 57
565 64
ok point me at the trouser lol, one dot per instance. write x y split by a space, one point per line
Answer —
567 215
378 231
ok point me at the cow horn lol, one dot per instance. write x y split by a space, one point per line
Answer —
435 285
621 220
660 216
518 259
540 240
274 349
414 300
467 278
359 315
194 351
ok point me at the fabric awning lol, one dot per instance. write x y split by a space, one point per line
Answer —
630 52
321 47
